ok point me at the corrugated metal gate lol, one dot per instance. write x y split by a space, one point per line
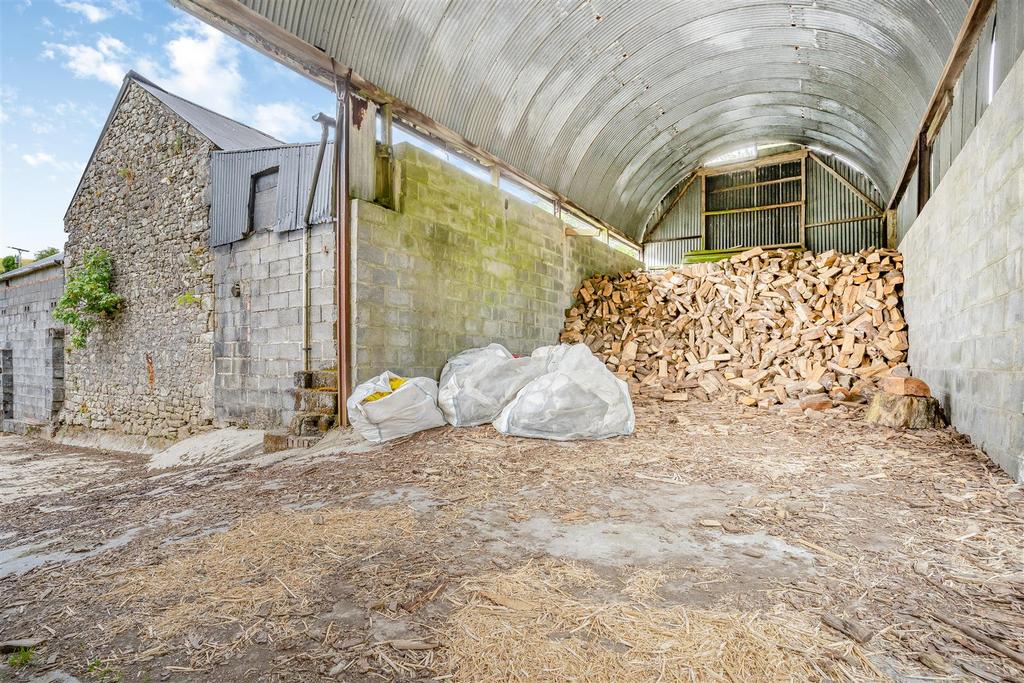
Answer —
801 197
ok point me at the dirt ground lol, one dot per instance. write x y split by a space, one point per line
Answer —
717 543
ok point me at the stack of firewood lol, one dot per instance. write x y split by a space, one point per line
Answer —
765 326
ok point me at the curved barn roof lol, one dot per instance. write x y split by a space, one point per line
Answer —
612 102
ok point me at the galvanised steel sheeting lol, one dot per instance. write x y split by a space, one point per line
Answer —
684 219
668 254
986 68
231 178
613 102
829 200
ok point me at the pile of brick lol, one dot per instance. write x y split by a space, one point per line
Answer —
768 327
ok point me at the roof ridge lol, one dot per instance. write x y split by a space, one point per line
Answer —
139 78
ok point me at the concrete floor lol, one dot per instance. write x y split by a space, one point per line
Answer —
733 511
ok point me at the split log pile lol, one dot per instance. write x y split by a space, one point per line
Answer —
767 327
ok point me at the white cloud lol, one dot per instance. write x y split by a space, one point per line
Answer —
38 159
42 159
92 13
105 61
285 121
204 67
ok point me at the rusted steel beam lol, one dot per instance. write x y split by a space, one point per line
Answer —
342 246
963 47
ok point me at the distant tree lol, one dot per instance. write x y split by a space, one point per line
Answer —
43 253
9 262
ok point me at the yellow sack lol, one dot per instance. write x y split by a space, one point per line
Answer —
395 383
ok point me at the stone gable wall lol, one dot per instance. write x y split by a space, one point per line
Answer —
149 371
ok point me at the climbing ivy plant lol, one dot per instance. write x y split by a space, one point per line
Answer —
87 295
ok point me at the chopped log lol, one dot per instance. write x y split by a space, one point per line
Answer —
910 412
905 386
761 328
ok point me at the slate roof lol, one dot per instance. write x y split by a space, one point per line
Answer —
224 133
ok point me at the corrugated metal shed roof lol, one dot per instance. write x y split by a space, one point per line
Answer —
612 102
226 133
53 260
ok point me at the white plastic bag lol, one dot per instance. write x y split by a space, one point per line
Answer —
477 383
410 408
578 398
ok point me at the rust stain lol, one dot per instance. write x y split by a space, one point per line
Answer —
358 112
150 371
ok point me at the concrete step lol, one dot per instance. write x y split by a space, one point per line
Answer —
316 379
281 440
322 401
311 424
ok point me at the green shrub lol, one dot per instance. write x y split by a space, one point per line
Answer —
87 295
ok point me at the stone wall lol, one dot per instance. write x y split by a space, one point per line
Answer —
258 338
463 264
32 343
148 372
964 291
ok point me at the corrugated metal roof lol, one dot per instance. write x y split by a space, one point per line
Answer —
53 260
612 102
220 130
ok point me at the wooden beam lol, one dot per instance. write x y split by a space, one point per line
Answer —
940 116
855 219
674 239
803 202
783 158
963 47
847 184
924 171
703 214
672 205
255 30
746 186
749 209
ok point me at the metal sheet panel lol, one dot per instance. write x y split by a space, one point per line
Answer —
668 254
231 178
612 102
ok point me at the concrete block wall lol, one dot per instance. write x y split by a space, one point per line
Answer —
462 264
964 291
258 333
34 368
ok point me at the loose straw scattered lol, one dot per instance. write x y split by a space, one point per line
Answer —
544 622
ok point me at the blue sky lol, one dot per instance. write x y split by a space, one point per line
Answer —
61 64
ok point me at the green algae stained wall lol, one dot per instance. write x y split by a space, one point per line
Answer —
462 264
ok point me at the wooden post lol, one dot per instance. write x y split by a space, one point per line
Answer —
703 212
963 46
803 202
924 171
